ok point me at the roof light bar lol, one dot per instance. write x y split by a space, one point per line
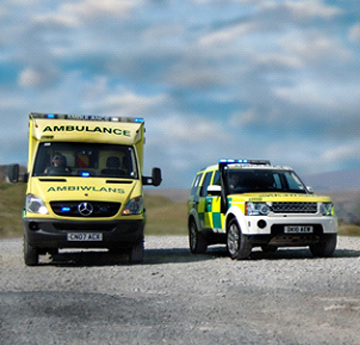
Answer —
244 161
86 117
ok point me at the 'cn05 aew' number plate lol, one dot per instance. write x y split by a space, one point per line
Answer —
298 229
83 236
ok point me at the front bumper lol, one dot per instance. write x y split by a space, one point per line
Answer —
259 225
52 233
271 230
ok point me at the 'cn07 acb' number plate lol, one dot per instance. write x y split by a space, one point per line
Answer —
298 229
75 236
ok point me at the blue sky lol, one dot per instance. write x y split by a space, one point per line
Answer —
269 79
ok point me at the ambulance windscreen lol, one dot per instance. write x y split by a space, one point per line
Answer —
85 160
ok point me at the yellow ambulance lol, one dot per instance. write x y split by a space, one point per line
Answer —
84 184
250 203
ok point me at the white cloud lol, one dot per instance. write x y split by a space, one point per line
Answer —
354 33
303 9
92 9
228 35
37 77
313 46
341 153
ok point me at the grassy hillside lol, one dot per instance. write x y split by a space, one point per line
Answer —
11 205
165 214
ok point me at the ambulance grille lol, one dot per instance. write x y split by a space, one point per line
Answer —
88 209
294 207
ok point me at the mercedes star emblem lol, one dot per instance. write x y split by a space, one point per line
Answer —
85 209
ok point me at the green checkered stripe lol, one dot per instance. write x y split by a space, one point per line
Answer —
215 215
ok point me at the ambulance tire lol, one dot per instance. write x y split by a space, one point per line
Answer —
238 245
137 253
325 248
31 254
198 244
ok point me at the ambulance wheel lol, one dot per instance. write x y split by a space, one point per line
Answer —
325 248
238 245
198 244
137 253
31 254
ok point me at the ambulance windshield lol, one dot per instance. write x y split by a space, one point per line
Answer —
263 180
85 160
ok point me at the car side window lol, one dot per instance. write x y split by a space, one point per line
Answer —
206 183
196 183
217 178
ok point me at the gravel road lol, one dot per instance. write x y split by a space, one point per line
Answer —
176 298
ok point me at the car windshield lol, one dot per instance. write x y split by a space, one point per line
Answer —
263 180
85 160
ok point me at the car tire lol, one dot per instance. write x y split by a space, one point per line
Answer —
198 245
137 253
325 248
31 254
238 245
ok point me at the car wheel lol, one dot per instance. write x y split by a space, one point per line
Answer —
238 245
31 254
198 244
137 253
325 248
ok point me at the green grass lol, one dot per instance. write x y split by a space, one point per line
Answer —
11 206
164 216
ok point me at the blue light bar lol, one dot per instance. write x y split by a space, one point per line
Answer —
233 161
138 120
65 209
85 174
50 116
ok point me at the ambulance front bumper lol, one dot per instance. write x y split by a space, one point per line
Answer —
52 233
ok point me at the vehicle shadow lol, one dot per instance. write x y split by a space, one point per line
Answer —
182 255
105 258
300 253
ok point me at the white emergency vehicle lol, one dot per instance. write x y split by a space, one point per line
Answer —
250 203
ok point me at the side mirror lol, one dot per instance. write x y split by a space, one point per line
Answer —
154 180
156 176
13 173
214 190
310 189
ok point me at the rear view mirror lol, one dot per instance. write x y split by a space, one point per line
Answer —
214 190
13 173
154 180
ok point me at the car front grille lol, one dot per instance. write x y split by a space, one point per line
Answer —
294 207
90 209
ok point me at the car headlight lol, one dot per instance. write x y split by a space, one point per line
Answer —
34 204
326 209
133 207
257 209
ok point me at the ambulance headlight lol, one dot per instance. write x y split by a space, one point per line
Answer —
133 207
326 209
34 204
257 209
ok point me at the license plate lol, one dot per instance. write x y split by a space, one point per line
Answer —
74 236
298 229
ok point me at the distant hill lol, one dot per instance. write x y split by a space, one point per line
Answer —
335 180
